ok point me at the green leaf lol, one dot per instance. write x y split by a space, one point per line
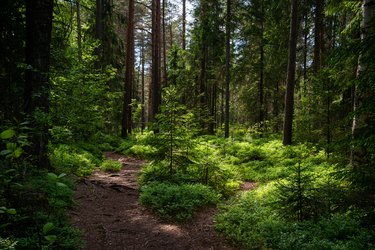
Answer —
60 184
11 211
62 175
48 227
50 238
52 176
11 146
5 152
7 134
18 152
7 210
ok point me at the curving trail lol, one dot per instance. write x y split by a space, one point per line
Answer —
110 216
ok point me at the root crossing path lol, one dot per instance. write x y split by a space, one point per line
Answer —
110 216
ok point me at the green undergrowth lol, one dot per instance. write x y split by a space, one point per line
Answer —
301 200
82 157
138 145
253 220
110 166
34 202
178 202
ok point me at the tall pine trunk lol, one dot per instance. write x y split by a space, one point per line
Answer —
183 24
129 76
227 69
289 95
165 78
143 116
79 30
37 87
261 74
319 33
155 78
362 92
99 31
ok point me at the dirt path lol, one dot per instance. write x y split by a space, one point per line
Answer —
110 216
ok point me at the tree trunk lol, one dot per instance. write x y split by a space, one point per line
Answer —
99 27
184 24
202 85
165 79
305 48
129 77
276 107
289 95
143 118
203 95
36 92
155 78
361 93
261 74
227 69
211 125
319 33
79 32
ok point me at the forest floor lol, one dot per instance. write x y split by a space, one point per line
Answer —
110 216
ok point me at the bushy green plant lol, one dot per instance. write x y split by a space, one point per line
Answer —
124 146
72 159
106 142
245 152
37 200
294 195
111 166
240 220
78 93
177 202
175 127
251 223
7 244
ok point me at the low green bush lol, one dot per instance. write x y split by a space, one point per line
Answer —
141 151
36 202
7 244
245 152
111 166
177 202
72 159
251 221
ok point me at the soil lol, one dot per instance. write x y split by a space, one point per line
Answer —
110 216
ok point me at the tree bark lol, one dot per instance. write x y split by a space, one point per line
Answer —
361 93
289 95
165 78
155 78
36 92
143 118
184 24
261 73
99 27
319 35
79 30
305 48
227 69
211 125
129 76
203 95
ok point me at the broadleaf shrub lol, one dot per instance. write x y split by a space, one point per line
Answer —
178 202
111 166
71 159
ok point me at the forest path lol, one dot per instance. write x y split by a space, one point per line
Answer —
111 217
